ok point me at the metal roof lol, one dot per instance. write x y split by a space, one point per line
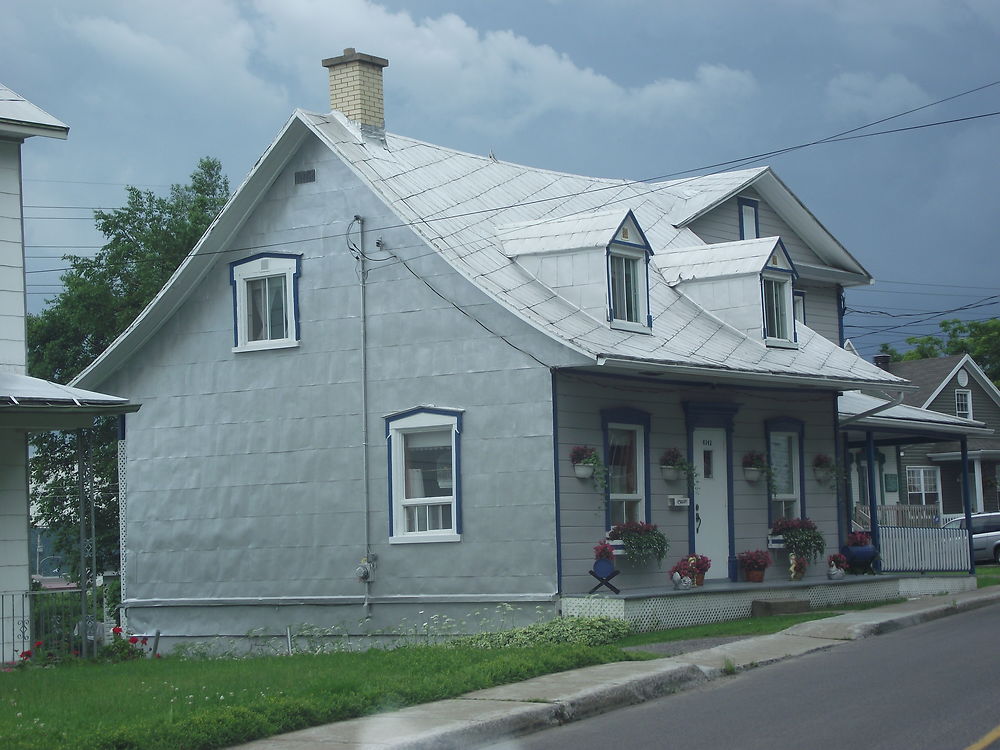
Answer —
466 207
20 117
904 417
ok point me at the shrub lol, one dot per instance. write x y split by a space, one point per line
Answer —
581 631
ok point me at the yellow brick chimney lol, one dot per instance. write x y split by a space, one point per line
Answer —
356 86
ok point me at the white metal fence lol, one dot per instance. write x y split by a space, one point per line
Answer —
911 549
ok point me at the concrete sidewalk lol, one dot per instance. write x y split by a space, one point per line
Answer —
497 713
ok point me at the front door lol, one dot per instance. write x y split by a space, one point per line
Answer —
711 496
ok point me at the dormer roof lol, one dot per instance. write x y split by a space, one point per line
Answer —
724 260
584 231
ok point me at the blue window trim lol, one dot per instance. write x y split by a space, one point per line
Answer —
718 414
629 416
797 426
755 205
841 312
455 414
642 246
297 257
798 293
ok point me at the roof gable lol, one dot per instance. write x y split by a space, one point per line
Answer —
934 374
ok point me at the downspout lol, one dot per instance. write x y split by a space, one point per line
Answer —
359 255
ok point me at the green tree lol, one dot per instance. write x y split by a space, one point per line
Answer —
979 338
146 240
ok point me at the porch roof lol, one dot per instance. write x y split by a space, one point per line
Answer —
901 423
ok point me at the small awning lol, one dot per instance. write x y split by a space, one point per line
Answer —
34 404
901 423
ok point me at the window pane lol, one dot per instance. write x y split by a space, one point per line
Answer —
624 288
256 291
622 462
782 464
427 463
277 320
775 312
749 222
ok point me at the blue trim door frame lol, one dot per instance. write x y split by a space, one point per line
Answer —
699 414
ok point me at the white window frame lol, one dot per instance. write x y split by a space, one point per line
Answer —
960 392
637 500
397 427
782 282
619 293
285 269
785 504
748 212
921 484
799 305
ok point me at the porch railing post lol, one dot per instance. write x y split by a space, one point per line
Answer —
872 498
966 505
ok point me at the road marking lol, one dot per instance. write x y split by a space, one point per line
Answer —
986 740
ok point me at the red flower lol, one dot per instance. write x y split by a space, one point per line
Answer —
144 641
116 630
157 656
26 654
38 644
75 652
133 639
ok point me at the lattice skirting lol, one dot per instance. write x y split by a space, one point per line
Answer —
677 610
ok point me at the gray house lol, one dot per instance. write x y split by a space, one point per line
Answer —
953 385
362 387
26 404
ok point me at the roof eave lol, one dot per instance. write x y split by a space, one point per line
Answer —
773 379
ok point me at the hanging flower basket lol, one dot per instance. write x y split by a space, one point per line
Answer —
583 471
670 473
752 474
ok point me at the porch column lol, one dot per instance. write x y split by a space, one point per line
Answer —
977 468
966 503
872 498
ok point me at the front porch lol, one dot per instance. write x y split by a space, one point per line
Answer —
720 600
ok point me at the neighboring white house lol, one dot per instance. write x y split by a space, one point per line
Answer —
26 404
384 350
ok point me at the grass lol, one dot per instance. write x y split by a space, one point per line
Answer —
173 703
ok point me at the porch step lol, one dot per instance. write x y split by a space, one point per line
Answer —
765 607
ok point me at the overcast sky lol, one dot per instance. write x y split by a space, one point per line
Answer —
631 88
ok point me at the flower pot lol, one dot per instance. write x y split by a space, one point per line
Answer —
670 473
860 557
583 471
619 547
751 475
754 576
699 579
823 475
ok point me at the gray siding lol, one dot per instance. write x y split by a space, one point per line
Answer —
245 469
12 351
579 403
721 224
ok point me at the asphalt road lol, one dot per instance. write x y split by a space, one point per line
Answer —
934 686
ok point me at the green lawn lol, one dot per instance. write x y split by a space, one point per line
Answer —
175 704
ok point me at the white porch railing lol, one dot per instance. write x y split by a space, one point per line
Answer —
911 549
921 516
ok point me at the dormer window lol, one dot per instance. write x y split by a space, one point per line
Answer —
749 214
628 278
777 299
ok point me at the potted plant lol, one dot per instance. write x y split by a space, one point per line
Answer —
754 563
754 466
673 465
604 551
836 565
802 540
797 567
641 542
824 468
587 464
860 552
692 566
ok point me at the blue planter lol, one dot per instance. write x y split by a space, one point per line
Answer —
860 557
